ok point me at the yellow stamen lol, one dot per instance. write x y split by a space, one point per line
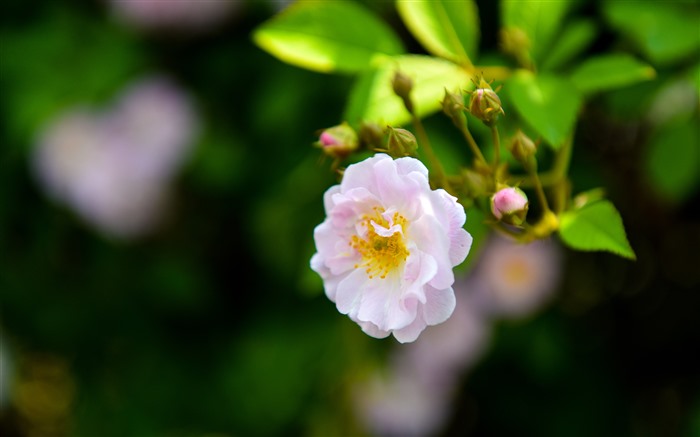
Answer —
380 255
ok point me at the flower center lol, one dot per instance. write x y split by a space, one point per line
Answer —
380 254
517 272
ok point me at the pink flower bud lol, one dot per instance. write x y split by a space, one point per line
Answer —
327 139
338 141
510 205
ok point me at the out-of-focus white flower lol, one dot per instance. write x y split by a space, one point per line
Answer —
158 117
114 168
396 403
413 396
388 245
442 355
516 279
186 15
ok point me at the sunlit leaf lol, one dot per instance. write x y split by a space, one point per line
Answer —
610 71
673 160
664 31
373 99
327 36
575 38
447 29
548 103
596 226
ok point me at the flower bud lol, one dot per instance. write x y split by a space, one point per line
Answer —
522 147
510 205
514 41
401 142
371 136
453 107
338 141
485 104
402 86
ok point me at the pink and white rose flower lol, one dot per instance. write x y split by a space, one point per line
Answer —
388 245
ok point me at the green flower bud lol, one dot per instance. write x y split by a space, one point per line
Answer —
402 86
338 141
401 142
485 104
522 147
515 42
371 136
453 107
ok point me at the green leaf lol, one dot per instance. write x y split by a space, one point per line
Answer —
672 160
447 29
373 99
575 38
610 71
327 36
548 103
665 32
596 226
540 20
694 76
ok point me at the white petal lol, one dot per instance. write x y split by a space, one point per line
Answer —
409 165
371 329
383 305
363 174
431 237
411 332
328 202
461 243
439 305
350 291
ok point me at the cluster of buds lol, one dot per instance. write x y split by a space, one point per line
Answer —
509 205
342 140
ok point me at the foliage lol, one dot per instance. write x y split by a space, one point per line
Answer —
215 325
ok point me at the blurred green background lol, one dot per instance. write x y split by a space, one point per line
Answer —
213 324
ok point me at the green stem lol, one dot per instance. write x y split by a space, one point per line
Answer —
559 169
540 192
562 160
496 146
435 163
472 143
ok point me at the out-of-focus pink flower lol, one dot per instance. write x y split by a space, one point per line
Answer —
516 279
442 355
396 403
156 116
114 168
185 15
413 395
388 245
